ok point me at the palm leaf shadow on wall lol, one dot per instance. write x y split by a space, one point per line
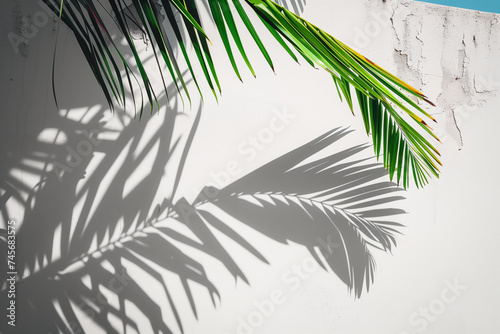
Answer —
297 6
336 206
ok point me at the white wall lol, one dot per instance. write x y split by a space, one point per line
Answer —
451 225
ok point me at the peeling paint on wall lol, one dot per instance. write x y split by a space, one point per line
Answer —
462 41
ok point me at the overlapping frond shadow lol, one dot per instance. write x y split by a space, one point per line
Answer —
336 206
74 246
73 243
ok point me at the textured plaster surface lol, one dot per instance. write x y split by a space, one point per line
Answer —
447 53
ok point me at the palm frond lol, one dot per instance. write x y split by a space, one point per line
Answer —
388 107
380 94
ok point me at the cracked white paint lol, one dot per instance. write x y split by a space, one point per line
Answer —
443 51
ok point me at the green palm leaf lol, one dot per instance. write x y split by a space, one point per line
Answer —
389 106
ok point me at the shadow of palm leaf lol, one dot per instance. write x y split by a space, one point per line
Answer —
297 6
79 236
84 289
336 206
115 242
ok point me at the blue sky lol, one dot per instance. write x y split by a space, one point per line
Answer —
492 6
